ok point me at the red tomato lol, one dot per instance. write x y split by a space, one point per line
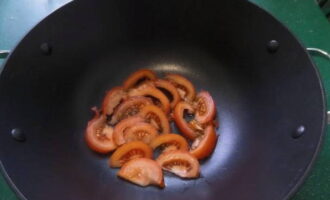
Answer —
99 136
140 131
181 123
143 172
204 145
181 163
149 90
130 151
156 117
118 132
112 100
169 142
129 107
185 88
170 88
205 107
138 76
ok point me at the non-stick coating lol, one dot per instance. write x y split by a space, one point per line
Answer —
221 46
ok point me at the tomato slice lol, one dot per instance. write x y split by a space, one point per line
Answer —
169 142
122 126
204 145
157 117
141 131
143 172
112 99
181 163
185 88
148 90
138 77
205 107
99 136
130 151
129 107
181 123
170 88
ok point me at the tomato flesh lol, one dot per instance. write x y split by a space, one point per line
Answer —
169 87
122 126
130 151
143 172
180 163
169 142
181 123
112 100
156 117
141 131
205 107
204 145
98 135
185 88
136 77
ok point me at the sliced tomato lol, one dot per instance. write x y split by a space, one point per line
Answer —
143 172
148 90
205 107
139 76
181 123
185 88
122 126
181 163
129 107
141 131
156 117
112 99
169 142
99 136
170 88
130 151
204 145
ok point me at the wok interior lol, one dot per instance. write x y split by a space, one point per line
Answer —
260 97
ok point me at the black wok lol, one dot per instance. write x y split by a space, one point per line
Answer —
269 97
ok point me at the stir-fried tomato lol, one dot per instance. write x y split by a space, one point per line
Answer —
204 145
122 126
205 107
138 77
170 88
169 142
130 151
185 88
99 136
129 107
156 117
141 131
143 172
112 100
181 163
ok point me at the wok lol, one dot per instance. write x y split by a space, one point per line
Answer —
269 97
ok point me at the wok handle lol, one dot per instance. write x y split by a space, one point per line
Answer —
327 55
4 53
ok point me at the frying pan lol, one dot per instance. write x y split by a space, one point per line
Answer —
269 97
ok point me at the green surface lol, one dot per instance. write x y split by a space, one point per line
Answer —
303 18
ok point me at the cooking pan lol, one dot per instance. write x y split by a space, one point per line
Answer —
269 96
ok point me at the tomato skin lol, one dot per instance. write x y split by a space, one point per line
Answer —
152 112
129 151
171 141
168 86
129 107
99 136
205 107
112 99
176 161
133 79
141 131
181 123
184 84
149 90
118 132
206 144
143 172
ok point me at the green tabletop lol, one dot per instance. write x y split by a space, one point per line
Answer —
303 17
